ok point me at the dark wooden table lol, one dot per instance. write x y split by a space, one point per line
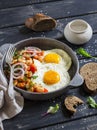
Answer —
12 16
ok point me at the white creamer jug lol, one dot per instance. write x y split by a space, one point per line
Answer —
78 32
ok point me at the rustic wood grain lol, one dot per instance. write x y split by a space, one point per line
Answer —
71 8
14 34
87 123
12 16
16 3
30 117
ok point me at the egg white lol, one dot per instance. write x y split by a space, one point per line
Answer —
65 59
42 68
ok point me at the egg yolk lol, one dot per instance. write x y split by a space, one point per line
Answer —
52 58
51 77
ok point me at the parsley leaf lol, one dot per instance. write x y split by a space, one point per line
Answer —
34 76
51 110
84 53
91 102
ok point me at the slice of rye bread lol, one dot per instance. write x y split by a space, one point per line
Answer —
89 73
91 83
71 102
40 22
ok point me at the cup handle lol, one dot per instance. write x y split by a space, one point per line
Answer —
77 80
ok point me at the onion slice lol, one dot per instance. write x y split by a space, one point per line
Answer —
17 75
23 65
32 48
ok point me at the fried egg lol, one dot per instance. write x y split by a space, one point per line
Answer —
51 76
57 56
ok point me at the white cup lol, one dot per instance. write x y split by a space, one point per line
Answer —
78 32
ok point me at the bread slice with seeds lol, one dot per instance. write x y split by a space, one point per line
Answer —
71 102
40 22
89 73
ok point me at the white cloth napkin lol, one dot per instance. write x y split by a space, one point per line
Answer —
11 102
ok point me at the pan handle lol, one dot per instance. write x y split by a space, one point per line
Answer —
77 80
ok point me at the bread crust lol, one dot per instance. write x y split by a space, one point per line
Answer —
40 22
89 73
72 101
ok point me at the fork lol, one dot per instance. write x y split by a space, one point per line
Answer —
8 60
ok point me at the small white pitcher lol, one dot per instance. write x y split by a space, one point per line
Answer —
78 32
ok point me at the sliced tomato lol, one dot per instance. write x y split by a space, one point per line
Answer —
33 68
40 89
45 90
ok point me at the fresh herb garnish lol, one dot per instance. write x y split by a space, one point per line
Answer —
15 53
51 110
91 102
34 76
19 56
25 78
31 84
83 52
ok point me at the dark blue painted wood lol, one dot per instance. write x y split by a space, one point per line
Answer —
16 3
12 16
56 9
14 34
30 117
88 123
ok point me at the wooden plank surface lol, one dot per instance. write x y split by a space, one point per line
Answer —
88 123
14 34
17 16
30 117
16 3
12 17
